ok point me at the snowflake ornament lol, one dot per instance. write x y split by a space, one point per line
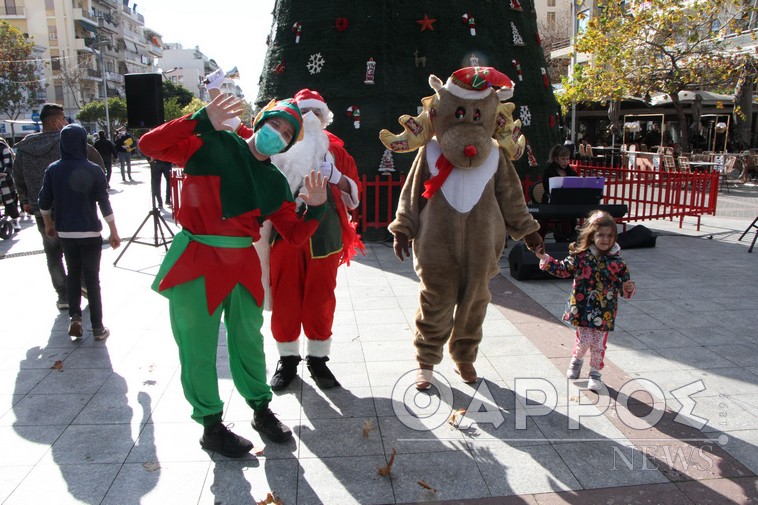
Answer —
315 63
526 115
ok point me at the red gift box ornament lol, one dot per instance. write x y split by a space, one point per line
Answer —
471 22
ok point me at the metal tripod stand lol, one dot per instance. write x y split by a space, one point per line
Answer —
752 225
158 226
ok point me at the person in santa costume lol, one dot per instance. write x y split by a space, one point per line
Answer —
230 187
304 277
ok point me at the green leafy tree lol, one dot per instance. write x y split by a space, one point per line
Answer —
19 82
171 109
183 95
94 112
195 105
657 46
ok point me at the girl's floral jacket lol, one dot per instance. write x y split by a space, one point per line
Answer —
598 280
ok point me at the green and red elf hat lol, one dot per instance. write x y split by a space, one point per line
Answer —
285 109
474 83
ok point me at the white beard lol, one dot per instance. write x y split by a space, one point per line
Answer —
301 158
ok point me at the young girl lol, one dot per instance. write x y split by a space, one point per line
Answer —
600 274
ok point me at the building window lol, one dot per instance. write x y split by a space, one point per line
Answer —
551 3
551 19
52 33
59 92
10 8
50 5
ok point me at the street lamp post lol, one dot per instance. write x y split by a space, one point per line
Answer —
99 53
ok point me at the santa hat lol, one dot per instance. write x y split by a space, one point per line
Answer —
309 99
285 109
474 83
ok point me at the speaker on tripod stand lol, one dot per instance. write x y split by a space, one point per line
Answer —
159 225
144 109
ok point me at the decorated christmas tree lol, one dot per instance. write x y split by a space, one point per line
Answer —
371 61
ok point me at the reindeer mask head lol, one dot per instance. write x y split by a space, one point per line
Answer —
465 113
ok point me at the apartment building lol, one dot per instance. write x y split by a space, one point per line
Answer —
84 43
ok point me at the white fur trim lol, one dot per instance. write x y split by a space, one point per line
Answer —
318 348
466 94
463 188
352 200
312 103
289 348
505 93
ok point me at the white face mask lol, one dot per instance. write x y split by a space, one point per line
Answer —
311 122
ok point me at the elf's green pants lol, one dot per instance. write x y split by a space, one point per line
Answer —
196 334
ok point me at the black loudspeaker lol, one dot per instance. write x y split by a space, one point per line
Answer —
144 100
636 237
524 265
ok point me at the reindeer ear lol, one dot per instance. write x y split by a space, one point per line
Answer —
435 82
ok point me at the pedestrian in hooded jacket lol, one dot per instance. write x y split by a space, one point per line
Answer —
34 154
71 188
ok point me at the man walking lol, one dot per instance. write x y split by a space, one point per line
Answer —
124 146
35 153
108 151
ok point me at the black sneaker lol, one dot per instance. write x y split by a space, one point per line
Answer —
101 334
266 422
218 438
75 328
320 372
286 370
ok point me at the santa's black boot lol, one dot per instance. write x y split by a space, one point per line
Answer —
320 372
286 370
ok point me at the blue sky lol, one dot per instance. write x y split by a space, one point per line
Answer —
232 32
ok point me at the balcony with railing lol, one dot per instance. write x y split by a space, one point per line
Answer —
114 77
12 11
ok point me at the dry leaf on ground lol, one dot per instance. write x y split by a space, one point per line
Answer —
455 418
427 486
384 471
271 499
368 427
258 451
58 365
151 466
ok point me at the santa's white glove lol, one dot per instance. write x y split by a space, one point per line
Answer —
215 79
330 172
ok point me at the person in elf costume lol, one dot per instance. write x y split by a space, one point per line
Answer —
302 278
230 188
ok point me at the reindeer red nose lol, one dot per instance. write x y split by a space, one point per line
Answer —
469 151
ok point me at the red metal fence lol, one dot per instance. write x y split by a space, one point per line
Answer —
649 194
653 194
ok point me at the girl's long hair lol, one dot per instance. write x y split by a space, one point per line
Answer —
595 219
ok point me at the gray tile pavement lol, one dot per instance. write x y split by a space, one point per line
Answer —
113 427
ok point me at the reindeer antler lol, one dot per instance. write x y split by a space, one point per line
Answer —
417 131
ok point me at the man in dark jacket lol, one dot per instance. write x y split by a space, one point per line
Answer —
71 187
108 151
34 155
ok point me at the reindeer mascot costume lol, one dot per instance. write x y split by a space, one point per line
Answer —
460 197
